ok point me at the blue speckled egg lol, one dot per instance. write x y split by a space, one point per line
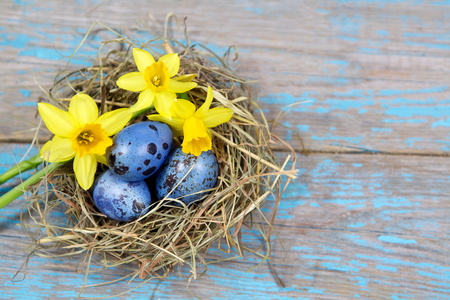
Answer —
203 175
121 200
139 150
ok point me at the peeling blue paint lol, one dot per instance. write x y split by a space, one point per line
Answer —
410 142
396 92
255 10
362 281
359 264
315 257
25 104
287 125
444 276
26 93
314 290
369 50
392 202
395 239
400 121
381 129
301 127
386 268
24 2
322 11
356 225
347 24
441 123
442 46
382 32
399 262
348 29
406 111
339 267
397 107
331 249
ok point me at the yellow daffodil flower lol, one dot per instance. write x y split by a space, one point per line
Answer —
81 134
154 81
194 125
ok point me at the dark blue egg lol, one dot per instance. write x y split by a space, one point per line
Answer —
203 176
121 200
139 150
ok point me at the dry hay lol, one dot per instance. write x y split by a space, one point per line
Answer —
166 236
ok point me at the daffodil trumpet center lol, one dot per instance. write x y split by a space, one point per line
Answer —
90 139
85 137
196 137
156 80
157 76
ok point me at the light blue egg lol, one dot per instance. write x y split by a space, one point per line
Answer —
121 200
139 150
203 176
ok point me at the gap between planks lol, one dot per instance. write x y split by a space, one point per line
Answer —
343 150
337 150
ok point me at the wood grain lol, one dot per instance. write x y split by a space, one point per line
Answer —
369 225
368 216
373 74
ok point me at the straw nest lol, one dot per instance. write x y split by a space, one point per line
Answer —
62 219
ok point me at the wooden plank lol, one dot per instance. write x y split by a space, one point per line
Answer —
370 226
375 71
10 155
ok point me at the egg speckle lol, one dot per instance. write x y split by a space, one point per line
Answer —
139 150
203 176
121 200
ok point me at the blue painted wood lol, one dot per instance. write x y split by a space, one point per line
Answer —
376 71
353 226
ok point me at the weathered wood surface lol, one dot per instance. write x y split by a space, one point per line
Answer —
377 72
371 225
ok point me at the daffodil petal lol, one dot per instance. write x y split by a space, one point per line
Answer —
44 153
182 109
101 159
145 99
176 124
172 62
133 81
143 59
196 137
216 116
85 168
180 86
83 109
163 100
58 121
58 149
185 77
203 110
113 121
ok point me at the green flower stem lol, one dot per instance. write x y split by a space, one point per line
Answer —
140 112
21 167
23 187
